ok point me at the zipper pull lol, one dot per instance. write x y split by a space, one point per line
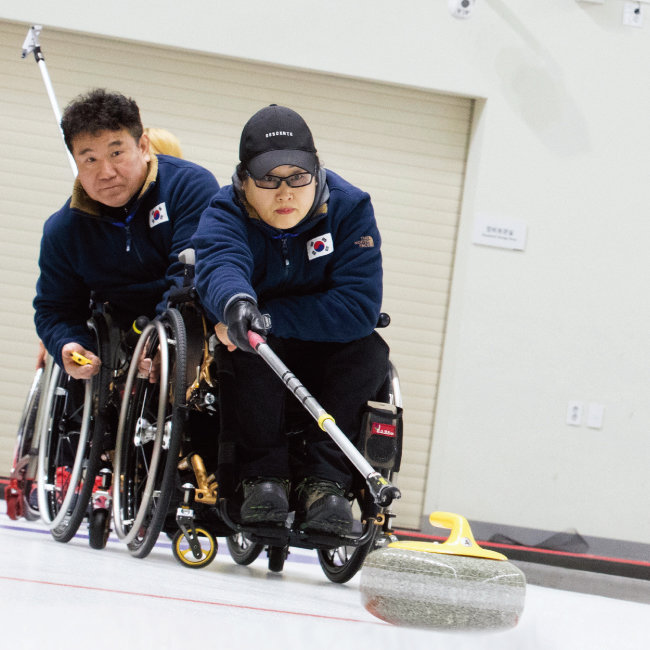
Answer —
285 249
128 239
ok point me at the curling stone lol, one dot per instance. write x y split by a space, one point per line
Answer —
456 585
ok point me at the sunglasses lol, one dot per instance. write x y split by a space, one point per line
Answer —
269 182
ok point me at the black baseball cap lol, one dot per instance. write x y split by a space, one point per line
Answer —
276 135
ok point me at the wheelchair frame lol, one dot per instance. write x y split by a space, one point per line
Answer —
63 441
151 456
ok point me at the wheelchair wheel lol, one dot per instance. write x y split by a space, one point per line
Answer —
342 563
277 556
71 432
183 553
149 436
242 550
63 491
22 480
99 527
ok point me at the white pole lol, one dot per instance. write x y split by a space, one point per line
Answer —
31 44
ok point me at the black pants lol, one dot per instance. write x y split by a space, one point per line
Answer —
341 376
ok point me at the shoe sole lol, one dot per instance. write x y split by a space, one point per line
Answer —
334 526
265 514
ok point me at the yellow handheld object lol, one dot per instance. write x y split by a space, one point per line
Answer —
460 541
80 359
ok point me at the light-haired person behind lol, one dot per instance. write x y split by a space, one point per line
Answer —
117 238
162 141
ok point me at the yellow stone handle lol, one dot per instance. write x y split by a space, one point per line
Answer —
461 533
460 541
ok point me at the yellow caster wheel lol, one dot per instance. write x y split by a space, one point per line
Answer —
183 551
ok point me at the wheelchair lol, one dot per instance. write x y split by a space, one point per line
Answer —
75 429
21 489
172 430
340 557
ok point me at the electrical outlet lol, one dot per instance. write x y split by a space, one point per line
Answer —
633 14
574 414
595 415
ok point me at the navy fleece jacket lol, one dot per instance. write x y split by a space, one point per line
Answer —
320 280
131 263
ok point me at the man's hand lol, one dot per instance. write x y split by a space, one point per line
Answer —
41 356
149 368
243 316
221 330
73 368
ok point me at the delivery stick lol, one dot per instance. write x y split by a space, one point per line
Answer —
31 44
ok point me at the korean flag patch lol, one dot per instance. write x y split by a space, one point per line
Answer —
319 246
158 215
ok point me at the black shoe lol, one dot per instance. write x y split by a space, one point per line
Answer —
265 501
325 507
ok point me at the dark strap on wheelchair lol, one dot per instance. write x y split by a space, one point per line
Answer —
179 295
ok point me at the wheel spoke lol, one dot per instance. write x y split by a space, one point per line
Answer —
149 430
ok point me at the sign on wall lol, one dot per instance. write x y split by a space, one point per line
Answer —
499 232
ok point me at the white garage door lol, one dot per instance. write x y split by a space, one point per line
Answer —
406 147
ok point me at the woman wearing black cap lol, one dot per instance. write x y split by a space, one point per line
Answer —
294 242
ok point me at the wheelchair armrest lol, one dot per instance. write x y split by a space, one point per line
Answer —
383 320
187 257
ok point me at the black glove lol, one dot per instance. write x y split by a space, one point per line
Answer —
241 317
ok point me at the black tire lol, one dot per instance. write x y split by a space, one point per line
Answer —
342 564
242 550
149 437
27 423
65 434
184 555
277 556
99 528
73 428
23 469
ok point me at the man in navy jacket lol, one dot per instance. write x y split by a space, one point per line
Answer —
118 236
291 241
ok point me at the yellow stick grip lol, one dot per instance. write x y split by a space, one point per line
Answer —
80 359
323 418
